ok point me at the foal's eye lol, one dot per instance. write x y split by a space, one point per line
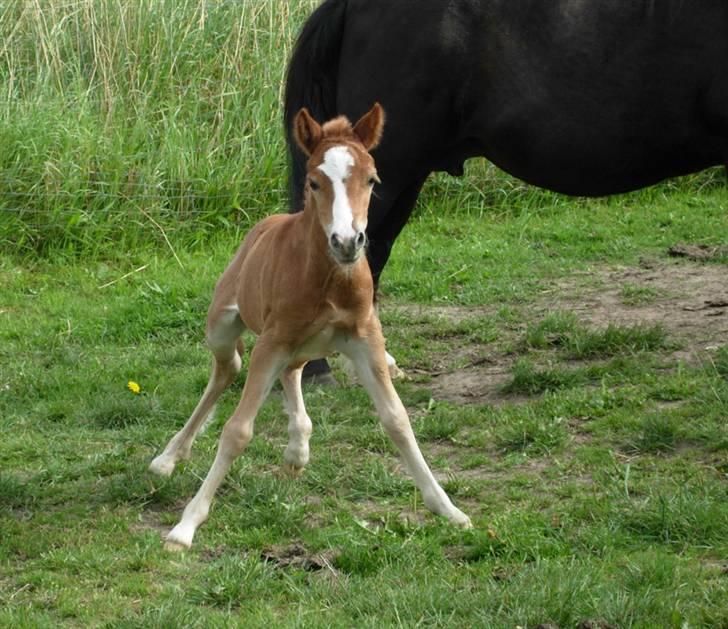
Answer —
313 185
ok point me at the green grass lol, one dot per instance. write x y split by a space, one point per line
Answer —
576 341
592 499
139 140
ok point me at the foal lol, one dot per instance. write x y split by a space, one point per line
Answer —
302 283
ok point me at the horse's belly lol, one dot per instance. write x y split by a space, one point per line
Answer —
575 155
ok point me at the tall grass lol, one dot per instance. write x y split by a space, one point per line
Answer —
120 119
127 123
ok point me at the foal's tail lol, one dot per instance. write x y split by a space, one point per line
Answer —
311 82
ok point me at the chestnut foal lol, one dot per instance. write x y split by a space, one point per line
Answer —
302 283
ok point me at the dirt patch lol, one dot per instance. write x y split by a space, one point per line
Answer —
689 300
595 624
296 556
149 521
475 385
373 515
698 252
453 314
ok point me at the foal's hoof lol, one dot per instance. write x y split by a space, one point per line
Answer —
179 538
292 471
162 465
175 547
395 373
461 520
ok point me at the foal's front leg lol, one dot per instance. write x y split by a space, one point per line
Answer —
266 363
223 331
369 358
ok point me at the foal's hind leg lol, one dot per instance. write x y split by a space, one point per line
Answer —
223 338
299 423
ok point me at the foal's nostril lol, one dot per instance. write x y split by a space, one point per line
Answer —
360 240
335 241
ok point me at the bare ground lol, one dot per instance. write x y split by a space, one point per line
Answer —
688 299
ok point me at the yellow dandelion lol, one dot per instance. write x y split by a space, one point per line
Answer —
133 387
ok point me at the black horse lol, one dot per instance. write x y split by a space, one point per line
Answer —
584 97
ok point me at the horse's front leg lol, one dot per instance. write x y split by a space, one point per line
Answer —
369 358
266 363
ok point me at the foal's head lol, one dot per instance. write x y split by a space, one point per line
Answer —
341 175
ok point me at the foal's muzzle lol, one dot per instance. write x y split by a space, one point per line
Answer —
348 250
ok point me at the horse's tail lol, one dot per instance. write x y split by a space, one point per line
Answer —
311 82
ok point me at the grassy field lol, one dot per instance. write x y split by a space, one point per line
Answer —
122 121
567 379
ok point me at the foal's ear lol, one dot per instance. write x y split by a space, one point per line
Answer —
306 131
370 126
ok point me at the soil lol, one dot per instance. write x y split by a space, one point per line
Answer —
297 556
688 299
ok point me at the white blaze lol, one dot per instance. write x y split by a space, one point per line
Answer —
337 167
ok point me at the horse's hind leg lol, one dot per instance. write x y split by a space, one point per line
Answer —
223 338
299 423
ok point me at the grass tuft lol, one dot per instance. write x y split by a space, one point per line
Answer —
554 330
615 340
234 581
438 425
562 330
13 492
530 379
121 412
721 361
531 431
660 433
678 517
637 295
